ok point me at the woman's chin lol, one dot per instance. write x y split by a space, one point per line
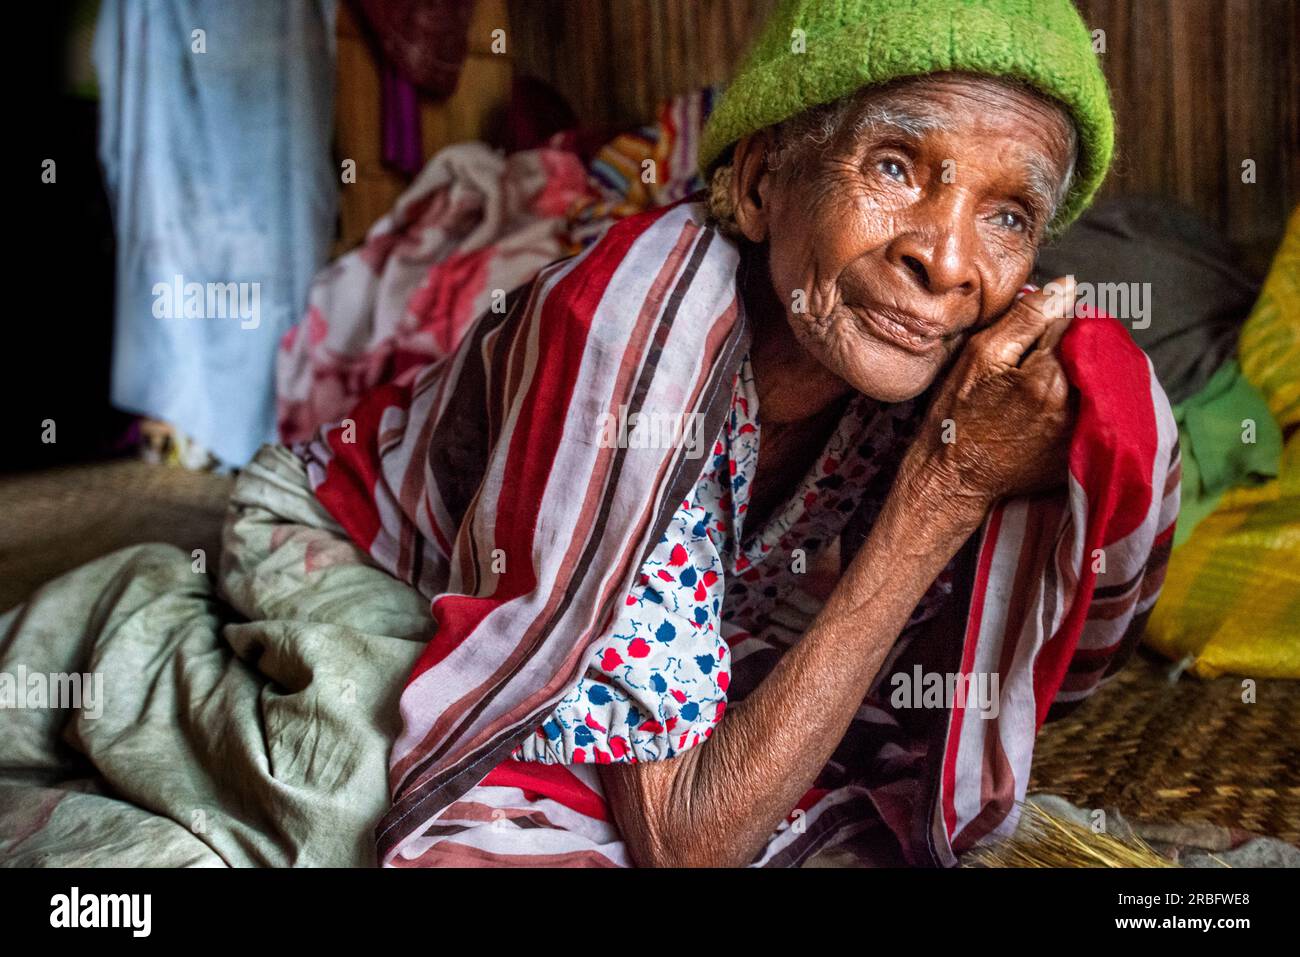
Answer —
888 373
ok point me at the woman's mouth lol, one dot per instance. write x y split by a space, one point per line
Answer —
904 330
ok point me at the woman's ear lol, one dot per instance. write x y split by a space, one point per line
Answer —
750 182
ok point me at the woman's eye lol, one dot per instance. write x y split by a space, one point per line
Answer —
1008 219
893 169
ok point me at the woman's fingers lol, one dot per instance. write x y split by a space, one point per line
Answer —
1048 376
1056 331
1039 318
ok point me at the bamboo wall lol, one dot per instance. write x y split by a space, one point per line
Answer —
1199 86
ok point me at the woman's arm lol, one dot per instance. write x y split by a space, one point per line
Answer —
717 804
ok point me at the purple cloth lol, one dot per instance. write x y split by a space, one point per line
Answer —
403 146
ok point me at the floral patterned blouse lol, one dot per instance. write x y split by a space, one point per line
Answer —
657 682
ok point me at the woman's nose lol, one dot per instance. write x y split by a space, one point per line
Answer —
938 259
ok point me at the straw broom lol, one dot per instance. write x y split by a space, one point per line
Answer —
1045 840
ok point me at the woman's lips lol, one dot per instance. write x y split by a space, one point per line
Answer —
908 332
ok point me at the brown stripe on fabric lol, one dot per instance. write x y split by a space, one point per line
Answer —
1115 608
388 440
997 794
1027 564
410 555
1174 478
1153 583
438 785
493 358
471 562
403 567
1054 586
457 442
1128 644
1083 679
498 360
1153 576
1118 590
446 830
1102 667
466 810
515 359
422 802
515 355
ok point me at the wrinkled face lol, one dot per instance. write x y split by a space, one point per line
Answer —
914 226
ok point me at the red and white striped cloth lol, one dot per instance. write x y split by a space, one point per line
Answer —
482 483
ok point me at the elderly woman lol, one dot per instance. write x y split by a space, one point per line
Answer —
843 320
778 520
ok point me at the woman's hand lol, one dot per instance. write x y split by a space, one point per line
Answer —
1000 423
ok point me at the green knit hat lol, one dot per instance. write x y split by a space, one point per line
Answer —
849 44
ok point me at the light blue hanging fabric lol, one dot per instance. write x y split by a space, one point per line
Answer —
217 117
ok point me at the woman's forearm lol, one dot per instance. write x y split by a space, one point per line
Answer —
718 803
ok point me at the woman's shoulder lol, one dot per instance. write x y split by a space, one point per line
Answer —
663 225
672 253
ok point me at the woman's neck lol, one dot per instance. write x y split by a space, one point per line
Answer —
799 401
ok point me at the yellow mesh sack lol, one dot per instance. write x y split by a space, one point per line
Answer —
1269 347
1231 599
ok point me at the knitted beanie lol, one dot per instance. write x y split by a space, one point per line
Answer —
848 44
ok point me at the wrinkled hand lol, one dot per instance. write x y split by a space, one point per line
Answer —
1004 409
